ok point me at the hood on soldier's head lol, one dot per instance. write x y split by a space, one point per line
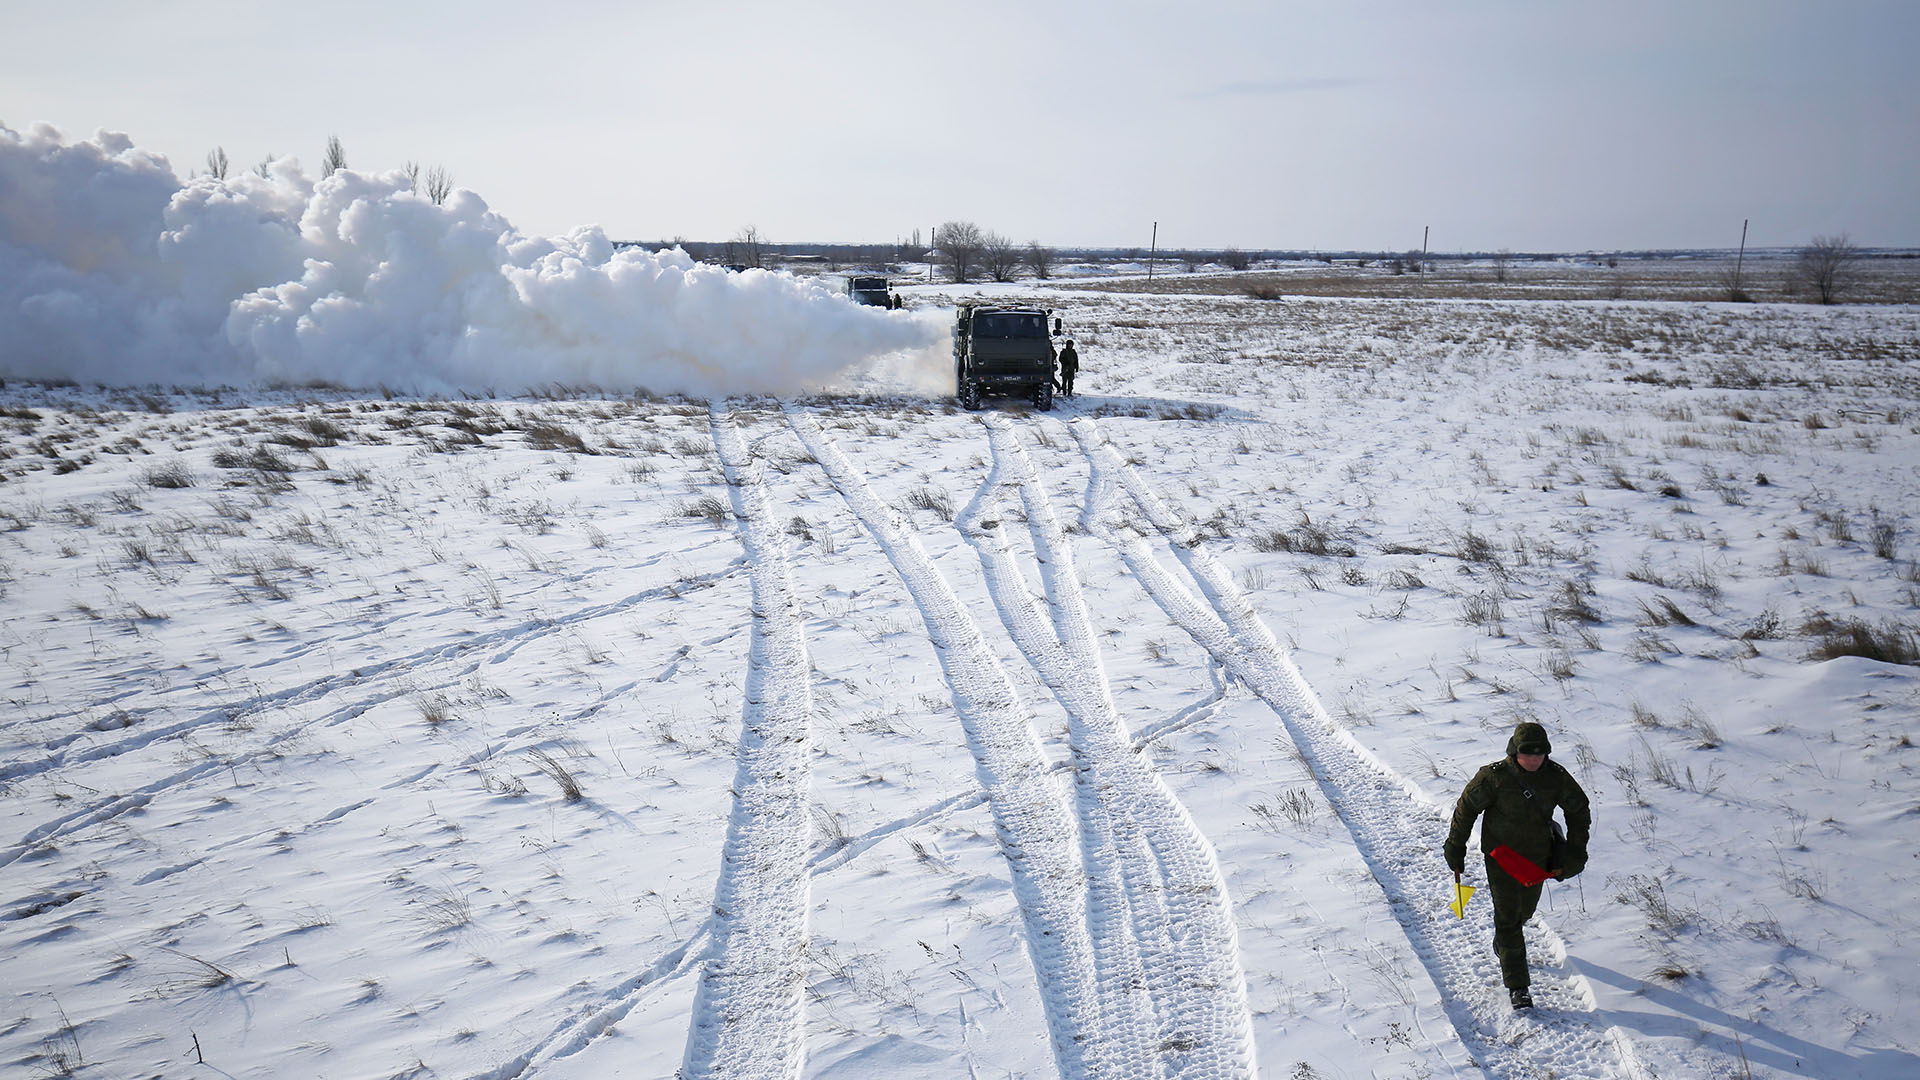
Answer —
1531 738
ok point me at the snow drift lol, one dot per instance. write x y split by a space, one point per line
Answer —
114 271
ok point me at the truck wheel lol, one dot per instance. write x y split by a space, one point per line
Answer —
1043 397
970 394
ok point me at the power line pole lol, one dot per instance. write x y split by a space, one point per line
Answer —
1152 247
1425 231
1741 260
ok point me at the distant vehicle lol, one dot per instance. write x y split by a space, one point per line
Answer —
1003 351
873 291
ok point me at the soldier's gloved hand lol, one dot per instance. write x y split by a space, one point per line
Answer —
1456 862
1573 868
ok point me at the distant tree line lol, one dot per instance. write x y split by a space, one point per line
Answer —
962 252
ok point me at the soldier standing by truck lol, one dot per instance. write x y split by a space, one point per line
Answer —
1069 367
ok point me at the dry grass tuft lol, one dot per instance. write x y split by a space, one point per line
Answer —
1890 643
569 784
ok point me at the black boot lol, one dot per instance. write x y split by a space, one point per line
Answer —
1520 998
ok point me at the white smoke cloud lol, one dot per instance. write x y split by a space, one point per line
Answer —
113 271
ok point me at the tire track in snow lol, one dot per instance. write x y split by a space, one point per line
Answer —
494 647
748 1022
588 1022
1204 709
1162 926
169 735
1032 819
1397 829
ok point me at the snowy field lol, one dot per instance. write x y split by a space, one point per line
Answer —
356 735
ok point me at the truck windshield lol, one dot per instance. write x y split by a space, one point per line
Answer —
1008 324
865 284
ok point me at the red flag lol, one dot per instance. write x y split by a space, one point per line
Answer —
1518 866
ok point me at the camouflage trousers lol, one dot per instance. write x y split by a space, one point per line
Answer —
1513 905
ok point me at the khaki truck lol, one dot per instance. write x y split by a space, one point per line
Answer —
1004 352
874 291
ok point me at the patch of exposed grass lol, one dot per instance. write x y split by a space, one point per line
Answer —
1306 538
1890 643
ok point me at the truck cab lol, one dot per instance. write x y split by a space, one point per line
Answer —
1003 351
874 291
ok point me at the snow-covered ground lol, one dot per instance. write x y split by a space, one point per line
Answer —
361 736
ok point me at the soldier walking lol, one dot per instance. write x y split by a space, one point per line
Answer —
1521 841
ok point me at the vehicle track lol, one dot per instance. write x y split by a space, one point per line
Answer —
361 686
1163 933
748 1022
589 1022
1397 830
150 725
1033 819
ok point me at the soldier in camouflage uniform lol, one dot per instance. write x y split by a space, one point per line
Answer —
1517 794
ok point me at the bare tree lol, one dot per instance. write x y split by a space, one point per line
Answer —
748 248
265 168
335 159
961 242
1235 259
1824 265
1040 259
439 184
412 169
217 163
1001 257
1502 259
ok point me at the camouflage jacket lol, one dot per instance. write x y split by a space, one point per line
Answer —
1499 793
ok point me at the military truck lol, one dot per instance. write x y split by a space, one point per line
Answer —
871 290
1004 351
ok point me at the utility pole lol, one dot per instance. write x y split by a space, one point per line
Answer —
1152 247
1425 231
1742 258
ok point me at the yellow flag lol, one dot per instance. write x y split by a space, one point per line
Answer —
1461 894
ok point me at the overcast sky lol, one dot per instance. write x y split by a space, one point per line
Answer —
1523 125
